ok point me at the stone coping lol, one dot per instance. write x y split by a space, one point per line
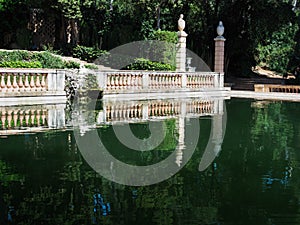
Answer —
266 95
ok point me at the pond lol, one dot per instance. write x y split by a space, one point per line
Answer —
251 174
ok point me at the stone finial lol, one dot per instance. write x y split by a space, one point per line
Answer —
220 29
181 23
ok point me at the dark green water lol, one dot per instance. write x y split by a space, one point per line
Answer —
254 180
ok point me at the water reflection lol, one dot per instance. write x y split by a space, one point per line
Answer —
254 180
120 114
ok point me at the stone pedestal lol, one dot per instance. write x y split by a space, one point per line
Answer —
219 54
181 52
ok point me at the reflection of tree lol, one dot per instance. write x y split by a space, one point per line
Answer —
271 126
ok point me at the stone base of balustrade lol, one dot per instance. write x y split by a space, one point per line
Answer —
167 93
57 97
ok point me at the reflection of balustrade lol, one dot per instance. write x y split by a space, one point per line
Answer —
163 109
123 112
22 118
201 107
138 111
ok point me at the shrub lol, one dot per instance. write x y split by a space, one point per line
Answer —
88 54
48 60
71 65
91 66
21 64
163 35
25 59
165 50
145 64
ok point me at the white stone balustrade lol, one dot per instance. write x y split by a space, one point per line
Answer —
31 82
123 80
115 81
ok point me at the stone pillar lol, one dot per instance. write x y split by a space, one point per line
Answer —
181 46
219 49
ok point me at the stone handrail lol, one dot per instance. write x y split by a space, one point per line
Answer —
138 80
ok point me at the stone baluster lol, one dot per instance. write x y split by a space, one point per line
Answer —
160 81
207 81
117 77
26 85
120 84
38 83
21 85
151 81
133 80
167 78
108 81
32 83
196 81
140 81
129 76
43 82
112 81
15 84
171 81
157 81
125 81
8 83
2 84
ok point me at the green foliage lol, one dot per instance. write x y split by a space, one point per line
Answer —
48 60
91 66
88 54
21 64
277 51
70 8
162 35
145 64
71 65
25 59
